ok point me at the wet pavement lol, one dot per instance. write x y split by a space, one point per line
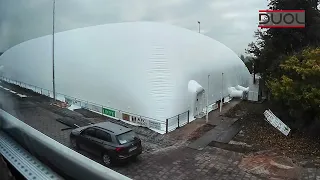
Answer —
183 163
271 164
222 133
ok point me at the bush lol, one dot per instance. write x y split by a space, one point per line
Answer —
298 85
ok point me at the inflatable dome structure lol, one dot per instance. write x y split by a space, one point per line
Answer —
148 71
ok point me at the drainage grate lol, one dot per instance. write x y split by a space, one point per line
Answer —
25 163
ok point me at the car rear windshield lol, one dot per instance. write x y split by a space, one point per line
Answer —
126 137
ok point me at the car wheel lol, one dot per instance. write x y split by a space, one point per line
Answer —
74 143
106 159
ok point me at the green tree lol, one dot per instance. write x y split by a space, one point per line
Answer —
299 85
242 58
273 45
288 62
248 61
249 64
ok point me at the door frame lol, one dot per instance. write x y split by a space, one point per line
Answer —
199 103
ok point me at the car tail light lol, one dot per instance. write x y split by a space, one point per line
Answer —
118 149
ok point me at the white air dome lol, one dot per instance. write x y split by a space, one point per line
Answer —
140 67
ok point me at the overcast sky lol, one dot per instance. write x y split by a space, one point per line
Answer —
231 22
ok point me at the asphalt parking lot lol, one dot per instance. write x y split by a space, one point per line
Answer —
164 156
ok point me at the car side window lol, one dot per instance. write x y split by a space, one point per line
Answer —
103 135
89 132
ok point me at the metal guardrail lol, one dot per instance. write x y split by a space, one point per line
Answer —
64 161
165 126
23 161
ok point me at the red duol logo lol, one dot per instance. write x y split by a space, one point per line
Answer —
281 18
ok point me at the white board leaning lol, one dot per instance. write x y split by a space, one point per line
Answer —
276 122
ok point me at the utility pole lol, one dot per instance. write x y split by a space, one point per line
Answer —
53 30
207 115
221 103
199 26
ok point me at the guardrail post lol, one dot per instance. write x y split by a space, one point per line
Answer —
167 125
178 120
188 116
